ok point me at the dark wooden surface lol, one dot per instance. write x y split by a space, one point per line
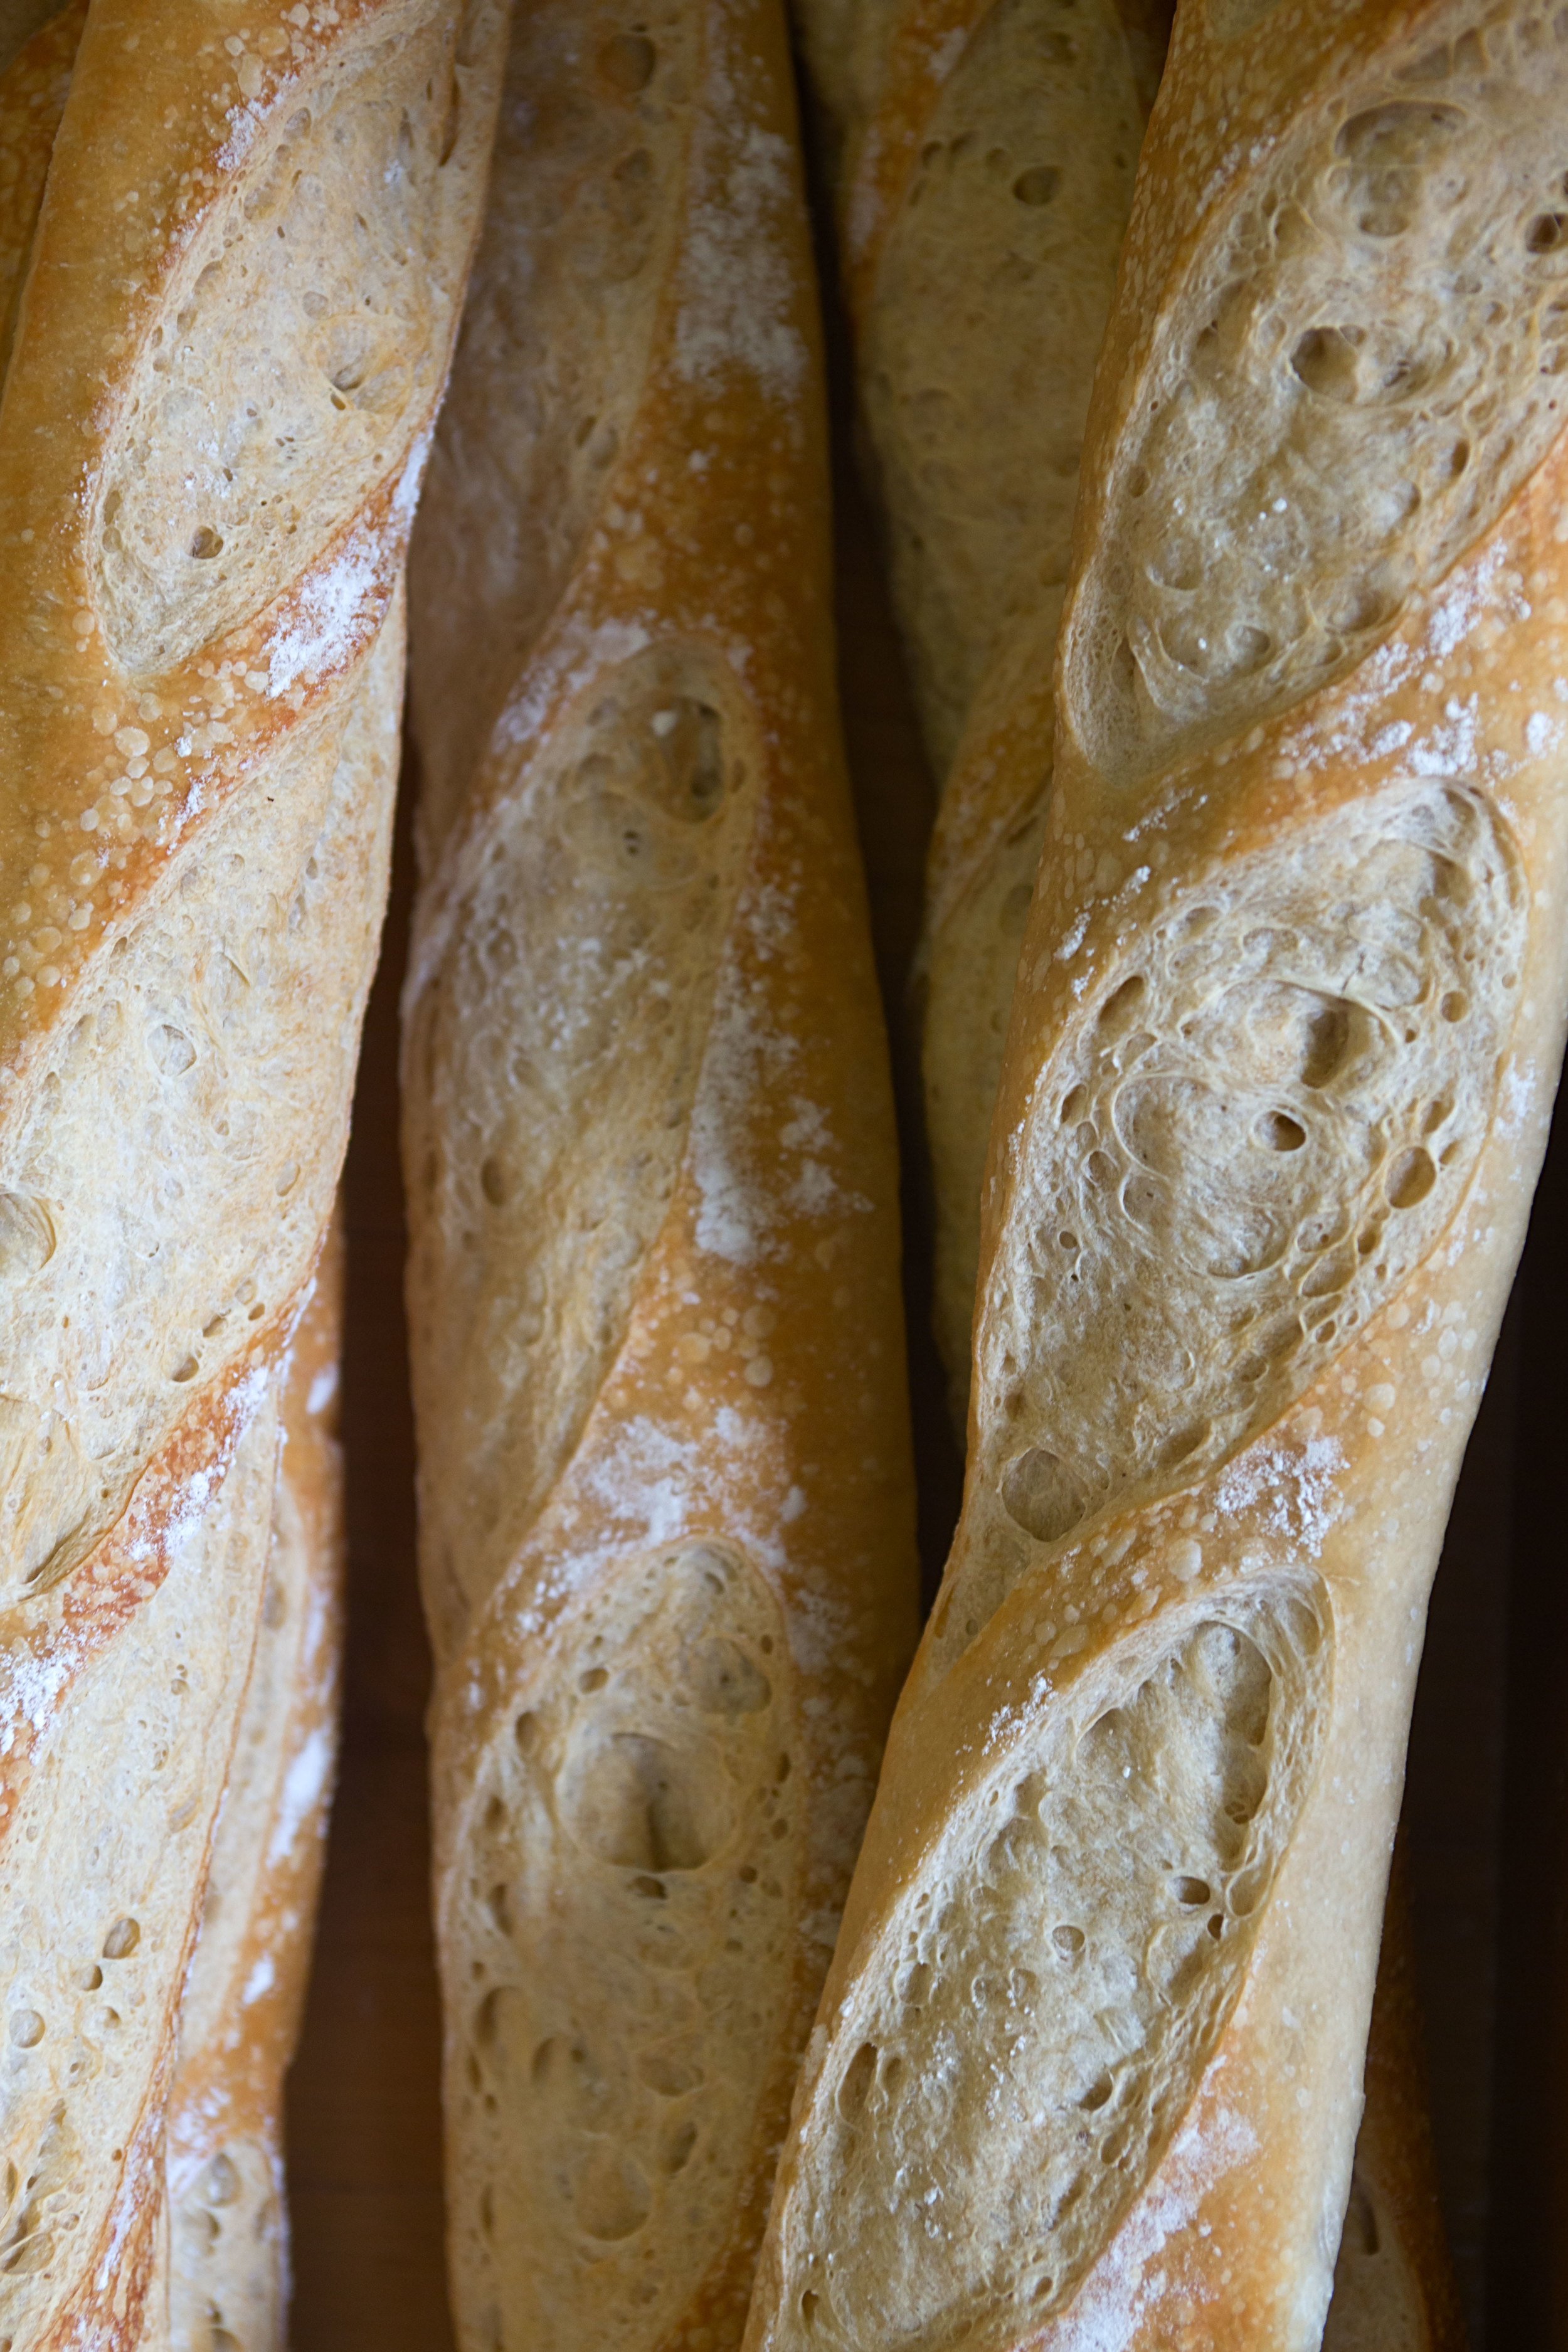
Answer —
364 2109
1486 1806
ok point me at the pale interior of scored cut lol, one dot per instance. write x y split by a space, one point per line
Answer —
296 358
1046 1990
1365 365
554 1055
1236 1154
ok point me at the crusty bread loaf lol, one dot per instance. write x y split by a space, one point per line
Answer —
226 332
1023 140
1288 1019
667 1511
239 2018
984 156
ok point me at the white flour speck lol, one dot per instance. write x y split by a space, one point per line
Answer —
736 292
329 611
303 1786
262 1978
1294 1484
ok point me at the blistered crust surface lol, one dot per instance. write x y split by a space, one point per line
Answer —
169 1187
1266 1083
195 862
100 1877
228 2218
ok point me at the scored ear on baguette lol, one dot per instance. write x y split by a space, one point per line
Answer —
1287 1028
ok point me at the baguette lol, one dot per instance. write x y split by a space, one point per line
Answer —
1019 86
985 162
1287 1023
239 2018
227 328
666 1495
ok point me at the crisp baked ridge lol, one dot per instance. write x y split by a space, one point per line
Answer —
239 2018
1288 1025
199 711
666 1498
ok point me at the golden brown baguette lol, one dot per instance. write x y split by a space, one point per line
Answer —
227 330
666 1494
1025 139
239 2018
1288 1019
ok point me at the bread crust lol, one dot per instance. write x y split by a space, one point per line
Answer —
239 2018
667 1507
1245 1542
983 158
199 719
1392 2282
